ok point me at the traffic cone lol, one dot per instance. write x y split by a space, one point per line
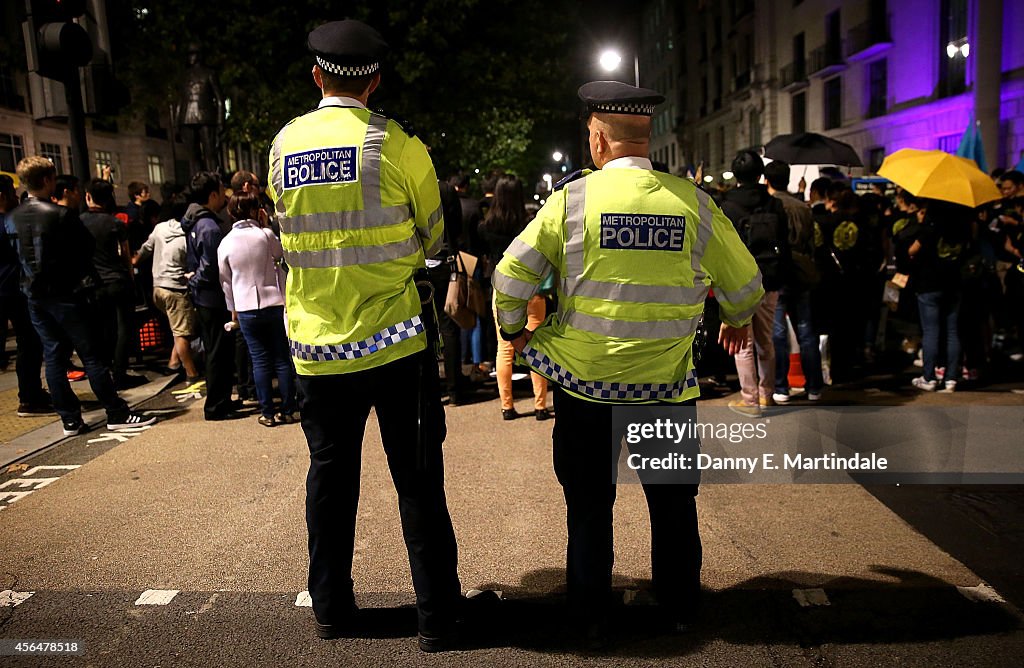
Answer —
796 369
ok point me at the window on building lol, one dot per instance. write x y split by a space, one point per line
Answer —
876 155
706 157
755 128
798 113
155 169
833 37
672 162
721 144
949 143
799 56
103 159
53 152
878 88
833 103
12 150
953 47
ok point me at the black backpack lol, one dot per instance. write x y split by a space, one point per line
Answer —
759 230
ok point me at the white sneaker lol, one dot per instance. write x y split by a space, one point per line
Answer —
780 398
949 387
814 396
926 385
131 421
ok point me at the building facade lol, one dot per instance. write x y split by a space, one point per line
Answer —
32 119
663 68
878 75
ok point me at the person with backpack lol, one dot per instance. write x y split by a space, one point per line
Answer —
763 226
795 294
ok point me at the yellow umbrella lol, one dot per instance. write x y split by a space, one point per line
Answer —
939 175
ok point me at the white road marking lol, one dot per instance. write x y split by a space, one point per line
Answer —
811 597
303 600
30 484
112 436
12 599
37 469
132 430
983 593
26 484
157 596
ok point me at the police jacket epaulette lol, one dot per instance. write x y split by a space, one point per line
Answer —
402 123
570 177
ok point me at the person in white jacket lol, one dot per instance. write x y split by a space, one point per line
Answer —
249 260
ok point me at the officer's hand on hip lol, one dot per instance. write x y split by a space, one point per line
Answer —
521 342
733 339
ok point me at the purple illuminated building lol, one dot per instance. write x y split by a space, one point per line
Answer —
879 75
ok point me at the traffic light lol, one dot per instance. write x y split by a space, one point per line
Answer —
55 43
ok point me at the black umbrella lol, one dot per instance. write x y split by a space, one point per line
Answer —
809 148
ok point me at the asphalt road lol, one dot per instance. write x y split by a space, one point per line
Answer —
214 511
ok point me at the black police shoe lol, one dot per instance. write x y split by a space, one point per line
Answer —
437 643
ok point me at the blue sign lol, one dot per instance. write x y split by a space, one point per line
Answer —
630 231
320 166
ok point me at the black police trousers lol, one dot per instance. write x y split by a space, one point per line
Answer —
335 408
584 456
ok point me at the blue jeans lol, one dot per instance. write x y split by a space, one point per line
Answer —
939 312
264 333
61 325
798 306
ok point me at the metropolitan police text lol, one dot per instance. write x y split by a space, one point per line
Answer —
665 429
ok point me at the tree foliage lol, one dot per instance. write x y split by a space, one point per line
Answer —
479 80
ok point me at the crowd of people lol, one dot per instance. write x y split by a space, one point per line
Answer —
865 284
852 278
76 270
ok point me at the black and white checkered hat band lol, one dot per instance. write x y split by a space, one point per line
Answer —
347 70
645 109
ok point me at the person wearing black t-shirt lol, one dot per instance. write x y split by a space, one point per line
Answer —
115 296
936 257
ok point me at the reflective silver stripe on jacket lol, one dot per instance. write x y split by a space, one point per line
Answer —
350 351
643 294
737 296
345 220
531 258
352 255
512 318
742 315
372 146
575 234
513 287
704 229
611 392
277 170
628 329
433 220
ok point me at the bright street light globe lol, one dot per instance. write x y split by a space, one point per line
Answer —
557 156
610 60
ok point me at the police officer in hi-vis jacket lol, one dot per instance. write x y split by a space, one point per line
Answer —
359 208
635 252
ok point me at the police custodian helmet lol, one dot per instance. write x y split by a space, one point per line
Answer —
347 48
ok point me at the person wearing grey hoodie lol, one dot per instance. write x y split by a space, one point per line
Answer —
166 245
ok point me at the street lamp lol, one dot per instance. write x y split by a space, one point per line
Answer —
610 59
557 156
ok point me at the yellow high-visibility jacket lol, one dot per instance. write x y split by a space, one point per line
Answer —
635 251
359 208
